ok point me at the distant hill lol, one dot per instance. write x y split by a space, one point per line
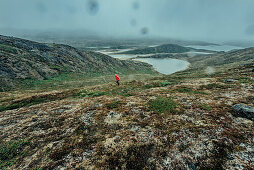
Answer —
166 48
22 59
234 57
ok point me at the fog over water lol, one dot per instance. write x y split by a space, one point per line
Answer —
206 20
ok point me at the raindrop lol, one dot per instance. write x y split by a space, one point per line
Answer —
41 7
144 30
93 7
135 5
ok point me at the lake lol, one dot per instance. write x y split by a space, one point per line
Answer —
168 65
164 66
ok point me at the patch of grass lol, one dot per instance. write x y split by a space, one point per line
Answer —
246 80
205 106
165 83
8 49
113 105
200 92
125 91
163 105
185 90
33 100
86 93
157 84
10 150
152 85
214 86
62 69
23 103
65 80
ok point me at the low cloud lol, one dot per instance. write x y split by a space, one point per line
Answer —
215 20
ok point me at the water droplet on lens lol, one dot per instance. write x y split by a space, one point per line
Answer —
135 5
144 31
41 7
93 7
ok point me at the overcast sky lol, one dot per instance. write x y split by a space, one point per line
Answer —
209 20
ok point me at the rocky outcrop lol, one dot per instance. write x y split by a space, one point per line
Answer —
244 111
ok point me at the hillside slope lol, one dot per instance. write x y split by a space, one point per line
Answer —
186 120
22 59
180 121
235 57
165 48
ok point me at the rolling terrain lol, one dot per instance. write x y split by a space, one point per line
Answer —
186 120
27 60
165 48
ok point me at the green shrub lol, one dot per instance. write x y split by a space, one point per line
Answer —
7 49
123 91
86 93
23 103
10 150
206 107
152 85
184 90
157 84
165 83
163 105
246 80
113 105
200 92
214 86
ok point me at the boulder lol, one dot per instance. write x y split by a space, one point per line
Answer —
244 111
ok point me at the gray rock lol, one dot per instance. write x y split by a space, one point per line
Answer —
230 80
88 118
244 111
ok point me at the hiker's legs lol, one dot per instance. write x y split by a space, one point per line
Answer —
117 82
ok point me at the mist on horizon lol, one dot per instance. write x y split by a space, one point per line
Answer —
204 20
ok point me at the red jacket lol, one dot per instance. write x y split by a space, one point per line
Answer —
117 78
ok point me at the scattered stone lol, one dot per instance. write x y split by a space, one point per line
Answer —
112 117
88 118
244 111
230 80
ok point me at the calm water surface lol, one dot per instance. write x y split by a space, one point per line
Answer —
166 65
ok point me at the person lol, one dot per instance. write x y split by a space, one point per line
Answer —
117 79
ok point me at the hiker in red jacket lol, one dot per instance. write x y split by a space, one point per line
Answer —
117 79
